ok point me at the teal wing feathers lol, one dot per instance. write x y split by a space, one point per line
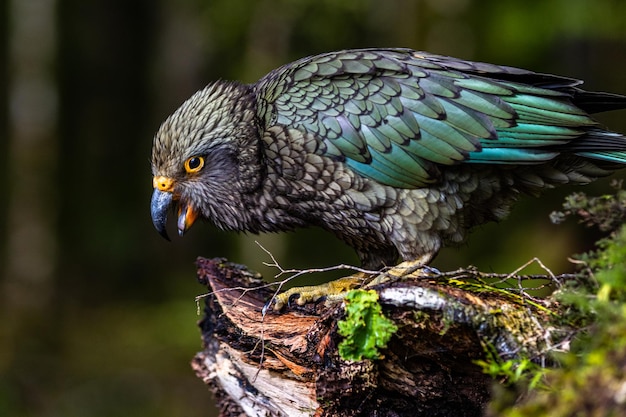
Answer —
399 116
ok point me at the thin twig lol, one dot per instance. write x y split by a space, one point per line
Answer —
299 272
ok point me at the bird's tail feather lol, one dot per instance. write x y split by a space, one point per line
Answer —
597 102
618 157
601 145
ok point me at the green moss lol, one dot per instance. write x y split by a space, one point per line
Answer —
366 329
521 371
591 379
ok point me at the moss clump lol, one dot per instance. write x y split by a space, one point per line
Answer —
366 329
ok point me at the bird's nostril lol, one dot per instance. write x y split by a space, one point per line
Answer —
163 183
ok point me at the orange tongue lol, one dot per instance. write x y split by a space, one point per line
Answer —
186 217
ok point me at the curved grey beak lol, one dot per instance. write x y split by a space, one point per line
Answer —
159 205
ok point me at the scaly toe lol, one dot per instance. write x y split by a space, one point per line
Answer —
406 269
334 290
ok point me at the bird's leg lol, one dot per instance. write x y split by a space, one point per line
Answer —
405 269
333 290
337 289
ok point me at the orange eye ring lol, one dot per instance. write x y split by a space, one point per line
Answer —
194 164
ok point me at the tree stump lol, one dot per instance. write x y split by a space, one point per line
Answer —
287 363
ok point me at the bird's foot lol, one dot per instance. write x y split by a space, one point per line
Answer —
331 291
337 289
406 269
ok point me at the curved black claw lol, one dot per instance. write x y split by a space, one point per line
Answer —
274 302
267 307
292 298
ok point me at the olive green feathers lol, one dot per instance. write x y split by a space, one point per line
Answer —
395 151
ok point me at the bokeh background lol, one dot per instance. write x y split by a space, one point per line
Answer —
97 312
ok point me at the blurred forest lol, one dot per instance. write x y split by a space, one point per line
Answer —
97 310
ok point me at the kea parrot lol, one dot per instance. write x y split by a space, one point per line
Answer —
396 152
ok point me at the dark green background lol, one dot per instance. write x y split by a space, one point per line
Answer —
105 325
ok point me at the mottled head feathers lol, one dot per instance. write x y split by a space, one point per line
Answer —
215 116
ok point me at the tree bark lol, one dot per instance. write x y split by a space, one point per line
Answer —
287 363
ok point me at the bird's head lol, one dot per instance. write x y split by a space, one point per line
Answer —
205 157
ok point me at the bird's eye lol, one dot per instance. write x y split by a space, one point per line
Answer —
194 164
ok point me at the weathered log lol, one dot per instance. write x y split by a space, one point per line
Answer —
287 363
